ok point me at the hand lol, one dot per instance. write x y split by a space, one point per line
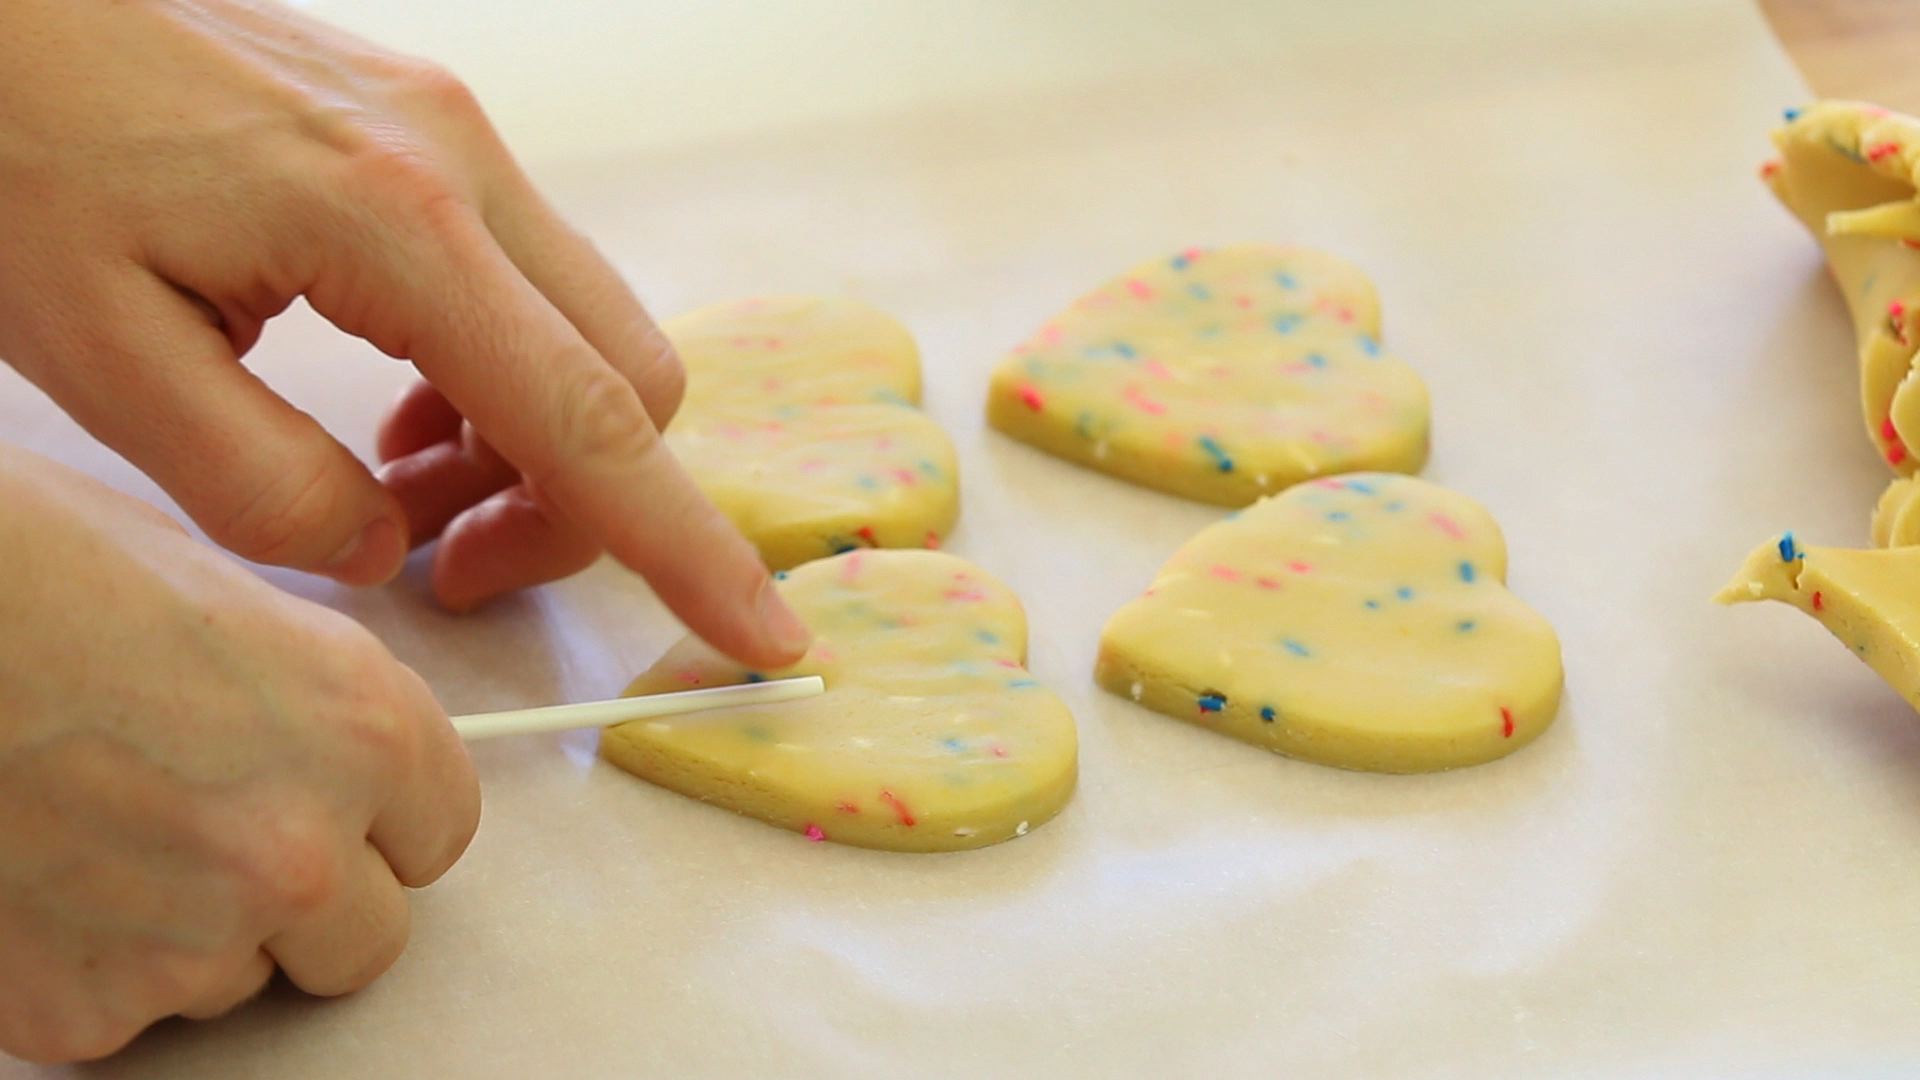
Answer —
201 777
193 167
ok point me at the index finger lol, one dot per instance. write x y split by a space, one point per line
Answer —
454 304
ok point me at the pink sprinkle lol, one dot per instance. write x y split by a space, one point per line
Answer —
827 402
1887 430
825 654
812 465
815 833
1224 573
1030 396
1331 484
1050 334
1769 169
1140 289
1447 525
689 676
1319 436
1267 583
1142 402
850 569
1879 151
1300 567
997 750
1006 663
1243 301
775 343
965 596
1192 254
1328 307
1157 369
933 540
907 477
847 806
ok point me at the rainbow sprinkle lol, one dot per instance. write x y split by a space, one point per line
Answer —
1789 551
1212 702
1267 714
1467 572
1212 449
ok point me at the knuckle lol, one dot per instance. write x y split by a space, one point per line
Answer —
430 82
599 419
290 869
280 520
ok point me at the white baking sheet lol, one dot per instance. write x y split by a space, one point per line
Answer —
1711 864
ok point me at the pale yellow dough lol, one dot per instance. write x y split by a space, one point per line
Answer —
1361 621
1220 375
1847 170
1869 600
931 736
800 423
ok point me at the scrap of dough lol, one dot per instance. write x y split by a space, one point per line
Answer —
1869 600
1361 621
1848 171
931 736
800 423
1219 375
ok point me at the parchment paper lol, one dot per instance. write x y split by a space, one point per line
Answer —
1710 865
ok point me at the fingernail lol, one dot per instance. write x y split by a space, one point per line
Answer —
371 558
789 634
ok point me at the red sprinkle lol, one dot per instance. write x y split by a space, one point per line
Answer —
691 678
1913 244
1882 150
1819 602
899 808
1886 430
966 596
1141 401
1896 454
1030 396
1266 583
933 540
1300 567
1769 168
907 477
1224 573
815 833
847 806
1897 315
997 750
865 532
1140 289
1506 722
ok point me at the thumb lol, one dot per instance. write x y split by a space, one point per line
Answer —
161 385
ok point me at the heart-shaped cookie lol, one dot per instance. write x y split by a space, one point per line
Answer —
1361 621
1219 375
800 424
1869 600
931 736
1848 171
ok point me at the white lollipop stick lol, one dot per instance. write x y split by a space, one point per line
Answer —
594 714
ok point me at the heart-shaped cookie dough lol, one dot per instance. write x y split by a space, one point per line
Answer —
1219 375
1361 621
1848 171
930 736
800 424
1869 600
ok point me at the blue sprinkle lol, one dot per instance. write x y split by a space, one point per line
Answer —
1295 647
1788 550
953 743
1180 262
929 468
1212 702
889 397
1467 572
754 676
1790 114
779 575
1083 425
1338 515
1373 605
1369 346
1286 322
1021 684
1267 714
1316 360
1393 506
1465 626
1212 449
1845 151
841 547
1362 487
757 733
867 482
1200 292
1286 280
1123 349
1404 592
986 637
1212 330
